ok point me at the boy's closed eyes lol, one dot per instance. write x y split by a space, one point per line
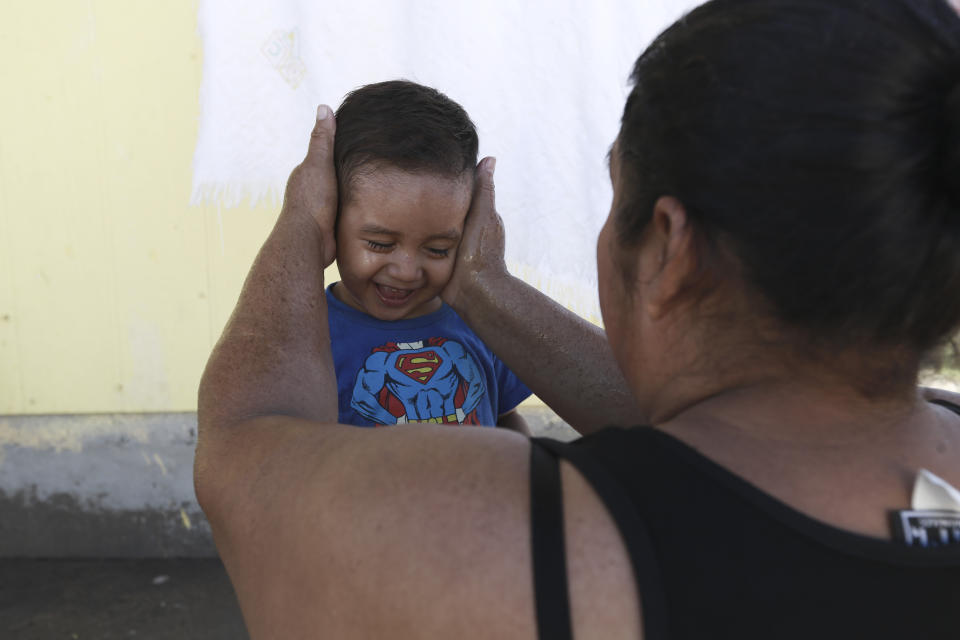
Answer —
397 238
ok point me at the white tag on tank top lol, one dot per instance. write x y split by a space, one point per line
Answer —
934 519
933 492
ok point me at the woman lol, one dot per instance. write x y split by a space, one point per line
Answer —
782 249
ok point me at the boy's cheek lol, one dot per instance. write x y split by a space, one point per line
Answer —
448 264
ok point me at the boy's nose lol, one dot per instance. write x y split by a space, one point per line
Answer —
405 268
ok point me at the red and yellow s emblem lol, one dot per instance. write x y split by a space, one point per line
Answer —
419 366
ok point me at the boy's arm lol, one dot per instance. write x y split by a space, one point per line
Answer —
565 360
515 422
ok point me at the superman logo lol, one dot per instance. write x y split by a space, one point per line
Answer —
419 366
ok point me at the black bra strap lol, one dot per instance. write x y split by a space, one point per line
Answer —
636 536
548 547
946 404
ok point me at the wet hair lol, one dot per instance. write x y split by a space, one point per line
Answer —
818 143
405 125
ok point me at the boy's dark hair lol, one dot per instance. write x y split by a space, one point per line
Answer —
819 142
405 125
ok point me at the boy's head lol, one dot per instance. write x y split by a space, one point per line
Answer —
405 157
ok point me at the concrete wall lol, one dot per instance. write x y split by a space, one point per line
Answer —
115 485
100 485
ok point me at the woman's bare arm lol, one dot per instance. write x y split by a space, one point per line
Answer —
565 360
274 353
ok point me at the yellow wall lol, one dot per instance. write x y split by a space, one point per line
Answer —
112 288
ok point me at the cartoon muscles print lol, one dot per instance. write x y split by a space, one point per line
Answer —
409 382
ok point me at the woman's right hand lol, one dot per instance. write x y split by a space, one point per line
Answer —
312 187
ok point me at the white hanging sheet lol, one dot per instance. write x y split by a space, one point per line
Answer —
545 82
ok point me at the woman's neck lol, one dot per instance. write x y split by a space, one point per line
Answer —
820 412
828 452
818 392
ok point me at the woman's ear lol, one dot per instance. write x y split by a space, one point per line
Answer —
667 257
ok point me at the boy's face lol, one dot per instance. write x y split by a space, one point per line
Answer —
397 240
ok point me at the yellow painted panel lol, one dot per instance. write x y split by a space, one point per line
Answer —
10 392
104 262
234 237
63 281
150 60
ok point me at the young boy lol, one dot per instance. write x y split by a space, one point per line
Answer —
405 157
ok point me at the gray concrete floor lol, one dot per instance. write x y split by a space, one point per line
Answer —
146 599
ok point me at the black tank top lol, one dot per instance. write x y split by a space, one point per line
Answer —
716 557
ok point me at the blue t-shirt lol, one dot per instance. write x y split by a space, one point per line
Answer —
431 368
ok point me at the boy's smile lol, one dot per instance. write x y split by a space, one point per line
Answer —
397 239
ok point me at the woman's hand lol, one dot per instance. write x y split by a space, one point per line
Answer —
481 250
312 186
561 357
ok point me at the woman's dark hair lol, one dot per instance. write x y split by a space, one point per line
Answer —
405 125
818 141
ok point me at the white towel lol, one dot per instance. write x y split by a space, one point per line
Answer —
544 80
